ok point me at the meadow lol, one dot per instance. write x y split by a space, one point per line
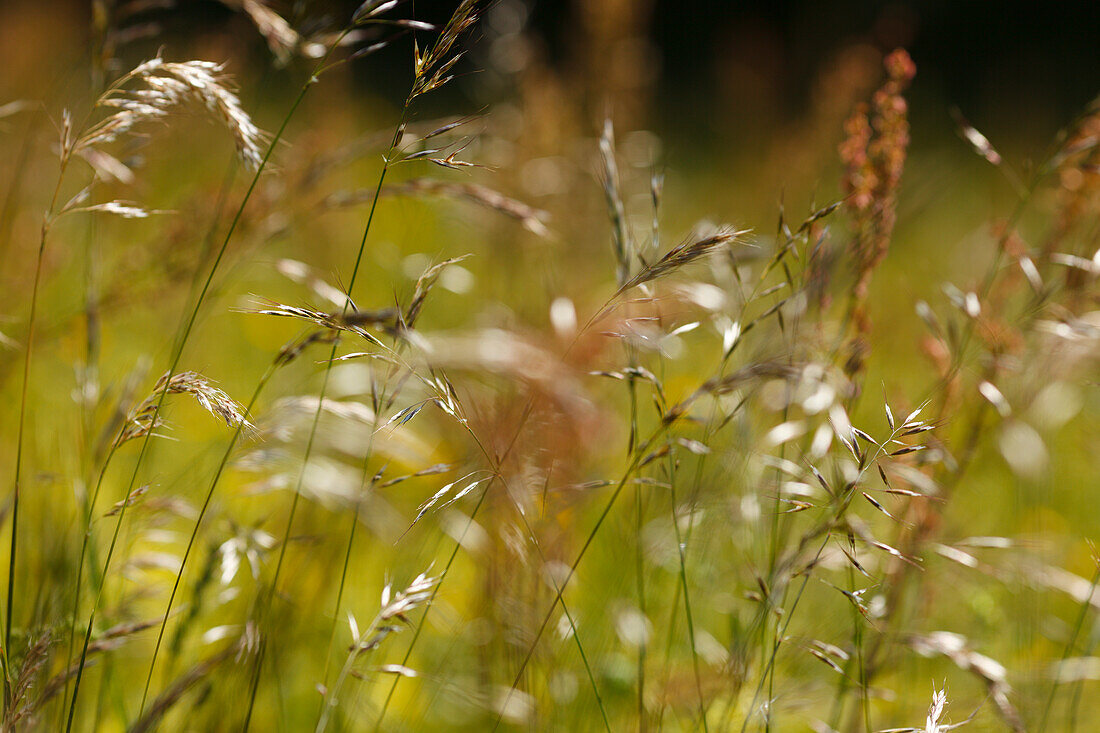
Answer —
489 409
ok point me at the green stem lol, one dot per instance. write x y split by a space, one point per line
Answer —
195 529
580 556
46 221
446 570
1070 644
324 387
85 547
687 611
182 339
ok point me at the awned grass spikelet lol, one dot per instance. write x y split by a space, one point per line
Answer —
499 426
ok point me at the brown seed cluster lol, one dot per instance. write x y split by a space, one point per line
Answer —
874 155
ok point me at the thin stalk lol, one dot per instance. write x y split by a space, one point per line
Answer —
198 523
673 613
380 399
639 557
324 386
580 556
19 446
824 531
428 605
268 596
254 684
639 582
783 630
687 612
85 546
365 483
685 541
840 696
857 642
47 219
91 617
1078 689
498 472
681 549
773 552
339 598
1070 644
446 570
329 703
181 341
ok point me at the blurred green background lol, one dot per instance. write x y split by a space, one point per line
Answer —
740 105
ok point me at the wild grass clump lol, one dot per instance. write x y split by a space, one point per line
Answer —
575 477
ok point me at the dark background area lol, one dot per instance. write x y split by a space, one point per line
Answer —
981 56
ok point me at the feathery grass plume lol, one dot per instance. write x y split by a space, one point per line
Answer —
935 712
397 606
874 156
163 88
140 420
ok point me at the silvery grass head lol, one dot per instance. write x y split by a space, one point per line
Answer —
156 89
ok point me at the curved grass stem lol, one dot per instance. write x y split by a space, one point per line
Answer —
183 336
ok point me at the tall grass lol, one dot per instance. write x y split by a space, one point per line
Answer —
570 476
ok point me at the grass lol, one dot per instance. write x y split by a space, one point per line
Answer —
575 464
